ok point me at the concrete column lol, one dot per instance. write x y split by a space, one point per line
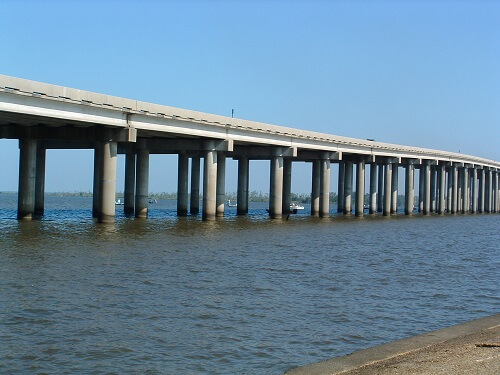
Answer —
341 187
380 196
480 191
409 189
194 207
348 188
373 188
449 192
454 187
474 190
96 190
129 191
276 187
210 183
242 195
287 186
488 189
433 188
387 188
221 184
495 191
182 184
442 189
394 189
40 181
315 191
427 189
459 190
142 184
360 188
465 191
27 176
421 189
108 182
324 196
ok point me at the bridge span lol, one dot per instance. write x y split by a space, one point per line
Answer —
44 116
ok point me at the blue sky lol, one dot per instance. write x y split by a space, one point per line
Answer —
421 73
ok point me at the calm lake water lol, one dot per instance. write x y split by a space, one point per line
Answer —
238 295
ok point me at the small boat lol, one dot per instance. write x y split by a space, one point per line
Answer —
295 207
119 202
152 200
231 204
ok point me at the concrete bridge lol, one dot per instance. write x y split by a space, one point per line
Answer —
44 116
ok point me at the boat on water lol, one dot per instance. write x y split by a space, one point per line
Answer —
231 204
152 200
295 207
119 202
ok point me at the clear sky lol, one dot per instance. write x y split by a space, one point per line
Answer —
422 73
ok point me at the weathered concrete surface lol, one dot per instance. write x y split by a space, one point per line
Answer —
468 348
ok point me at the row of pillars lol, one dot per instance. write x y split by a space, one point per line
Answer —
442 188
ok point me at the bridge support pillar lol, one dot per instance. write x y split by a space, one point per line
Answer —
40 181
287 186
421 190
96 190
315 190
474 190
348 188
387 189
276 187
341 188
394 188
380 196
221 185
194 207
459 190
487 195
495 191
433 189
454 192
449 191
442 189
108 182
210 183
480 192
182 185
324 197
360 188
242 195
409 190
465 191
129 190
27 176
142 184
427 188
373 188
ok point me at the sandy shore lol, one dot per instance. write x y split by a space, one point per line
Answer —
469 348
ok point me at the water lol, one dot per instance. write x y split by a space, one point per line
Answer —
239 295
